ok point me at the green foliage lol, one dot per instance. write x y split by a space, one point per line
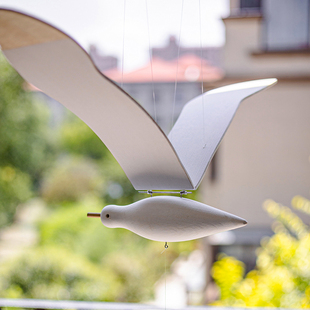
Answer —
77 138
15 187
24 142
55 273
54 229
282 274
23 128
71 179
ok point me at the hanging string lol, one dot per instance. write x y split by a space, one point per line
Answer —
201 72
123 51
165 248
151 60
166 278
176 75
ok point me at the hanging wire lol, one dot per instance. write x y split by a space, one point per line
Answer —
123 51
165 248
176 75
201 70
166 277
151 60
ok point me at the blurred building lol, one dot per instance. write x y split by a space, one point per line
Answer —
103 62
165 84
265 153
172 51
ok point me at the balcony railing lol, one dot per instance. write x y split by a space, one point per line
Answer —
40 304
70 304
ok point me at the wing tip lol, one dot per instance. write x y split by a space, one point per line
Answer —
263 83
19 29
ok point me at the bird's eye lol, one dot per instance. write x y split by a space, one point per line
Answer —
107 215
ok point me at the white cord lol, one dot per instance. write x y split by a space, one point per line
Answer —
151 60
123 51
201 71
176 75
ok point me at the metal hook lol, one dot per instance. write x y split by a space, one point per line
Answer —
165 247
182 193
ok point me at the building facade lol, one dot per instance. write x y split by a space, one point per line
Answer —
265 153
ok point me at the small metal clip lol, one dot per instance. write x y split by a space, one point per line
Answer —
183 193
165 247
151 192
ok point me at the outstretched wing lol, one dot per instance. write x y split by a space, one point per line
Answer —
203 122
57 65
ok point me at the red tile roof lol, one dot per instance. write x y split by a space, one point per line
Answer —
189 70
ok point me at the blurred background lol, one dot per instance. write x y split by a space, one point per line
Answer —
54 169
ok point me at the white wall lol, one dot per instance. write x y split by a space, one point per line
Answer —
265 153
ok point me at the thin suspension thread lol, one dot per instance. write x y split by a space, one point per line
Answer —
165 248
151 60
201 70
166 278
176 75
123 51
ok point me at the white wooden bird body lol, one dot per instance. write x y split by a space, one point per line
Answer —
169 219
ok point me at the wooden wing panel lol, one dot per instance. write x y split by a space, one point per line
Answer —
203 122
57 65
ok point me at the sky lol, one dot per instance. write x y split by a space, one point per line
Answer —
127 28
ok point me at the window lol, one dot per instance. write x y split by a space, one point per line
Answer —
286 24
250 5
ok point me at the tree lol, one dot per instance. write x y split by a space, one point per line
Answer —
55 273
78 139
71 179
282 274
25 148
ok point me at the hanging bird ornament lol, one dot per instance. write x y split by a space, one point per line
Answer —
57 65
169 219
